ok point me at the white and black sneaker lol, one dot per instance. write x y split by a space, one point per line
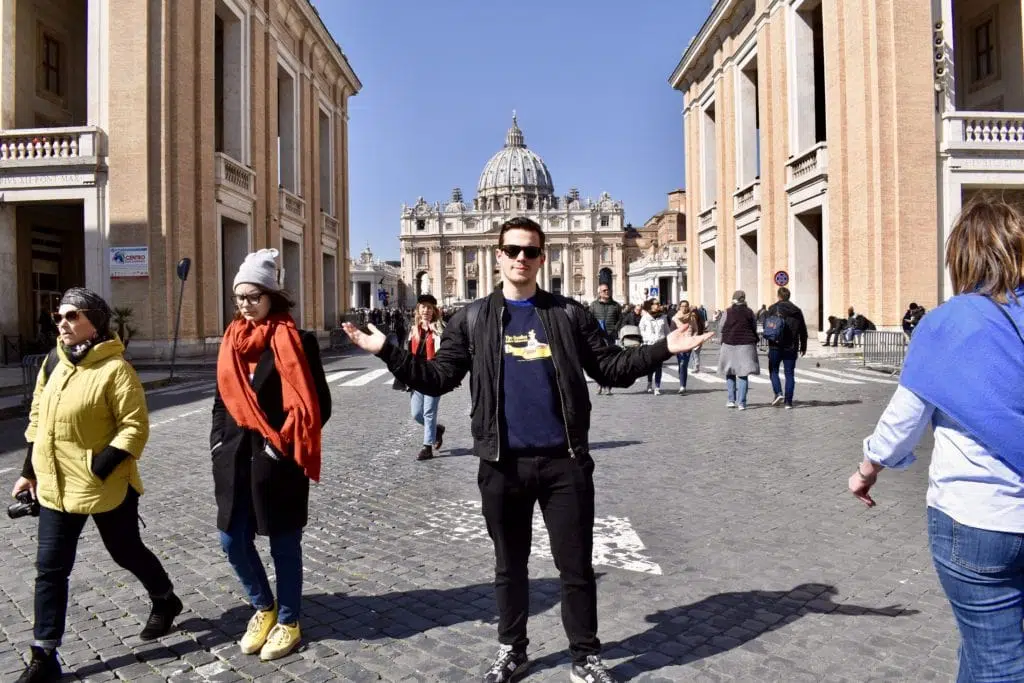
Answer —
509 665
593 671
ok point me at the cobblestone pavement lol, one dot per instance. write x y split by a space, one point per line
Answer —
732 551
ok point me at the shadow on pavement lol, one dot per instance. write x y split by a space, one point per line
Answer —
824 404
607 445
338 616
720 623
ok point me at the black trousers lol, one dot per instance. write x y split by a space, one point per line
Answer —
55 557
564 487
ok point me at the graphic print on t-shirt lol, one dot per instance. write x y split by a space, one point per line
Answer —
525 347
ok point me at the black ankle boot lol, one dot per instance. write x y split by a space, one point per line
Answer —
44 667
425 453
162 617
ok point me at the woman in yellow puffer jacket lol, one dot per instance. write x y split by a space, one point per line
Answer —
87 428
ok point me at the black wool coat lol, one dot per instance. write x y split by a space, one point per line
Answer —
279 489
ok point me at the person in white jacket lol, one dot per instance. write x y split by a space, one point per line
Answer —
653 328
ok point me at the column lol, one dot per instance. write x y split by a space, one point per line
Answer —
94 214
8 80
460 273
486 284
437 289
9 267
546 276
97 64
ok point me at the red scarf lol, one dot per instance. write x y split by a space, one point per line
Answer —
416 338
244 342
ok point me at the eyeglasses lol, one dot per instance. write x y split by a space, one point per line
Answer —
70 316
251 299
513 251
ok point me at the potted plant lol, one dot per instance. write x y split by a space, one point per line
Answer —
123 321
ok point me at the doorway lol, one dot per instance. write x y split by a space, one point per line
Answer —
234 245
291 263
747 265
709 275
809 266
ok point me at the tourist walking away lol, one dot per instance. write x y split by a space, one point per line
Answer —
962 376
425 341
786 333
653 328
688 319
272 401
608 313
737 358
527 351
87 427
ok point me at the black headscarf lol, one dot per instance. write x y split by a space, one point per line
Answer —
96 310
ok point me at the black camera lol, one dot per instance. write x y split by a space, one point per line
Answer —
26 505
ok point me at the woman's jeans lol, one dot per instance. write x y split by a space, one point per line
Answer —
982 573
657 377
695 358
737 389
239 544
55 557
424 410
683 365
787 359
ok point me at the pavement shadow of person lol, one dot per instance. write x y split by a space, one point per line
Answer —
826 404
717 624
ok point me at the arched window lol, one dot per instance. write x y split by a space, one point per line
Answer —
577 256
421 257
449 258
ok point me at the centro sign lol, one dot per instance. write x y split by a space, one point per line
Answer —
129 262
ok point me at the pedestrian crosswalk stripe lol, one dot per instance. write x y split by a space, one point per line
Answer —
877 376
365 379
858 376
827 378
699 376
335 376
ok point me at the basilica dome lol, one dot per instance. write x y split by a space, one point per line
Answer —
515 171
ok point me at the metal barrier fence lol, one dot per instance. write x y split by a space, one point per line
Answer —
884 349
29 372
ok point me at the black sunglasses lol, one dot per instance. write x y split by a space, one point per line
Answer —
513 250
70 316
251 299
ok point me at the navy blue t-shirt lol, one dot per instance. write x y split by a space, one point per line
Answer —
531 408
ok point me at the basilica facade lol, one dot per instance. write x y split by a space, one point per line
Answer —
448 250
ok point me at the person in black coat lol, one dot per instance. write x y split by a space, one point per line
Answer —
271 404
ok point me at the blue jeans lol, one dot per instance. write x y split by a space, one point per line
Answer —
982 573
657 377
683 361
286 549
424 411
732 384
787 358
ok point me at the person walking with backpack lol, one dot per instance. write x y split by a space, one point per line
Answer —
271 404
526 351
785 330
737 358
87 428
608 314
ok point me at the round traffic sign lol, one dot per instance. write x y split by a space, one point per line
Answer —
782 278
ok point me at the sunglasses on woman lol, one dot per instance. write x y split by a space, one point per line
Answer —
70 316
513 250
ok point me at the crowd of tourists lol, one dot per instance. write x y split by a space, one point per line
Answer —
527 354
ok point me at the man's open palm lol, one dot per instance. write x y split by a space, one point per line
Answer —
372 342
679 341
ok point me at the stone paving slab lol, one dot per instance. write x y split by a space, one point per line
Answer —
770 570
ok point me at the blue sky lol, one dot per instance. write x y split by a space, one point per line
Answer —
587 78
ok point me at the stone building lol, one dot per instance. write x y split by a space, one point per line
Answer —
831 143
372 279
133 134
449 250
658 269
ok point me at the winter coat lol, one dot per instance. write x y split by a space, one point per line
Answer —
577 345
653 329
739 326
76 413
795 336
610 313
279 488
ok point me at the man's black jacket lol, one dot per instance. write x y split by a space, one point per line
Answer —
610 312
577 344
796 326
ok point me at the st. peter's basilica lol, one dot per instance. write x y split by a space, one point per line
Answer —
448 250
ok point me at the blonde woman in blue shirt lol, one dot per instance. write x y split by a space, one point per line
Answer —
964 376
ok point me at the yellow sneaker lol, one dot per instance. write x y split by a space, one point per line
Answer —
282 639
258 629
